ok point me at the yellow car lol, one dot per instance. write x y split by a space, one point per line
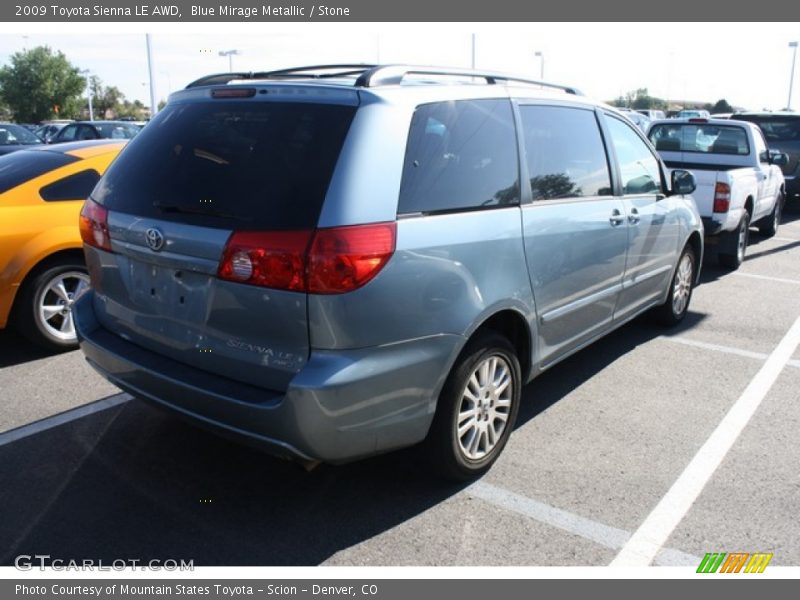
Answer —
41 258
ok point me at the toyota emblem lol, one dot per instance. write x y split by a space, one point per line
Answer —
154 239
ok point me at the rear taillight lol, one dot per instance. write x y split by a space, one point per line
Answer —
325 261
722 197
342 259
93 224
270 259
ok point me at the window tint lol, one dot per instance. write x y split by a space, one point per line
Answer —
248 164
16 135
86 133
703 138
776 129
68 133
23 165
77 186
564 152
638 167
116 131
460 155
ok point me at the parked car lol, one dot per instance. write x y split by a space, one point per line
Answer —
333 267
739 180
16 137
47 131
652 114
95 130
637 118
41 262
782 132
693 114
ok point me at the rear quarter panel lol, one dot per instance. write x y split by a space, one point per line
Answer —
34 229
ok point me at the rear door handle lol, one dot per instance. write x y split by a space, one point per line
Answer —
633 218
616 218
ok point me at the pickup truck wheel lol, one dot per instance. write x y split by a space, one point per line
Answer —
733 257
477 409
675 308
769 226
44 311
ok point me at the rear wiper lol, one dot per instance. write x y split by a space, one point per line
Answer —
198 210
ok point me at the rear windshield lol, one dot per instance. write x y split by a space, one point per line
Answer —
700 137
777 129
230 164
18 167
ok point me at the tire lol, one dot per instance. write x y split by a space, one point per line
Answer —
486 360
56 286
681 287
769 226
736 242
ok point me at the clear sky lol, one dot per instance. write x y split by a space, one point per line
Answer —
747 64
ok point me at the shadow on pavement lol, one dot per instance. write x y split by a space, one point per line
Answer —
132 482
16 349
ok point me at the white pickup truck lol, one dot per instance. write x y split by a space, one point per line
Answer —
739 180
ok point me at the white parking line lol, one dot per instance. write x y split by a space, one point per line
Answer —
766 277
784 239
646 542
724 349
61 418
605 535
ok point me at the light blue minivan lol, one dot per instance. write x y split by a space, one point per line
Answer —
333 262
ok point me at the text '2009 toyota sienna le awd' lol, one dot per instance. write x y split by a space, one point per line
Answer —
332 262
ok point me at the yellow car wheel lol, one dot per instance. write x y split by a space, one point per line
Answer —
45 304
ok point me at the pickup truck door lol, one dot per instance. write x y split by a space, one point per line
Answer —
575 229
765 176
651 220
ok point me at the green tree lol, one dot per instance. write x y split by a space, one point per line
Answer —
161 104
639 98
133 109
721 106
104 98
39 84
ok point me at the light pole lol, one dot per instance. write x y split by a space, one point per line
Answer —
153 105
230 54
541 63
472 61
792 45
89 92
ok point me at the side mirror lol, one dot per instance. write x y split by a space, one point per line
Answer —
683 182
778 158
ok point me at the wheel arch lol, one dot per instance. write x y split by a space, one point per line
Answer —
43 264
511 324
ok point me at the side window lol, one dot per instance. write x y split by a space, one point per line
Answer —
637 165
761 147
461 155
68 133
77 186
86 133
564 152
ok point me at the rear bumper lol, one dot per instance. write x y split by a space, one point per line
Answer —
343 405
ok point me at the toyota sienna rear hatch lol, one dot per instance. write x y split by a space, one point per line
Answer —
195 232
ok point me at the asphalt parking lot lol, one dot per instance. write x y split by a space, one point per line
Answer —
602 438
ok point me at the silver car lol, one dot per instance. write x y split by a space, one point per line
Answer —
333 262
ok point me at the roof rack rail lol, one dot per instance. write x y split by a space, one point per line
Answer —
394 75
374 75
328 71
